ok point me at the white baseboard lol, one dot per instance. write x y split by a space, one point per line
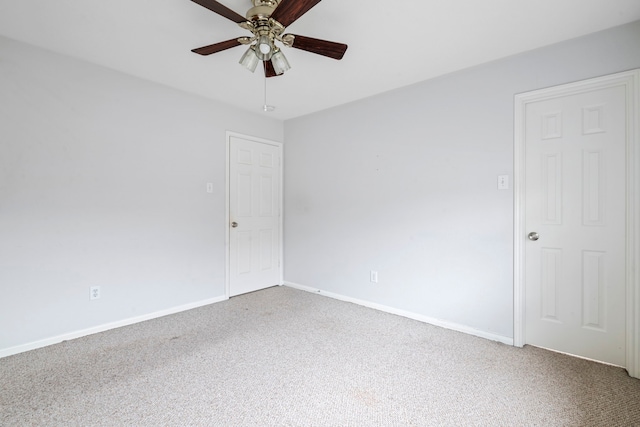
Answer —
105 327
130 321
432 321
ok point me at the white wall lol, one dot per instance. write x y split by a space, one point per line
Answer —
103 182
406 184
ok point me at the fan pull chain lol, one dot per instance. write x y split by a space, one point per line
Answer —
266 107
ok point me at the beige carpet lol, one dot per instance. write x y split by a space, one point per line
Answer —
283 357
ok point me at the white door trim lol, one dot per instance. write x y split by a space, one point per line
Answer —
227 223
630 80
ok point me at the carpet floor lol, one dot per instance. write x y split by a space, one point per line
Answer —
284 357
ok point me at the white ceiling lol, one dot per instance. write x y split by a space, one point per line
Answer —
391 44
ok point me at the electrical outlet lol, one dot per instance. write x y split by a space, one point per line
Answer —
373 276
94 292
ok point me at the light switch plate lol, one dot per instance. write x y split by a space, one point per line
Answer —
503 182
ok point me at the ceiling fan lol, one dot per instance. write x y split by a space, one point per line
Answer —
267 20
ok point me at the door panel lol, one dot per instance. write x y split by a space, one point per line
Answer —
254 207
575 186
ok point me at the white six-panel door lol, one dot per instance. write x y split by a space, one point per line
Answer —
576 287
254 214
575 187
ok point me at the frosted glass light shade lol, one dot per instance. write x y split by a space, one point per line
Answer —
264 48
279 62
250 60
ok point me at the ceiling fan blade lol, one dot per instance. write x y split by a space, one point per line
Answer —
321 47
217 47
221 10
290 10
269 71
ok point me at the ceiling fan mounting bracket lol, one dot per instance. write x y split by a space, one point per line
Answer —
287 39
246 40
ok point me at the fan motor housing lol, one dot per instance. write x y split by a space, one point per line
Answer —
262 9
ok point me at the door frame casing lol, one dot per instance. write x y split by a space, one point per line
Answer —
227 245
630 80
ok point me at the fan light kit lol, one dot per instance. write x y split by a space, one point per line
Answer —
266 21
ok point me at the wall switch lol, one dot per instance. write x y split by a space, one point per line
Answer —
94 292
209 187
374 276
503 182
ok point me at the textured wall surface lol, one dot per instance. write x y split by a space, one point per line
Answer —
406 184
103 183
